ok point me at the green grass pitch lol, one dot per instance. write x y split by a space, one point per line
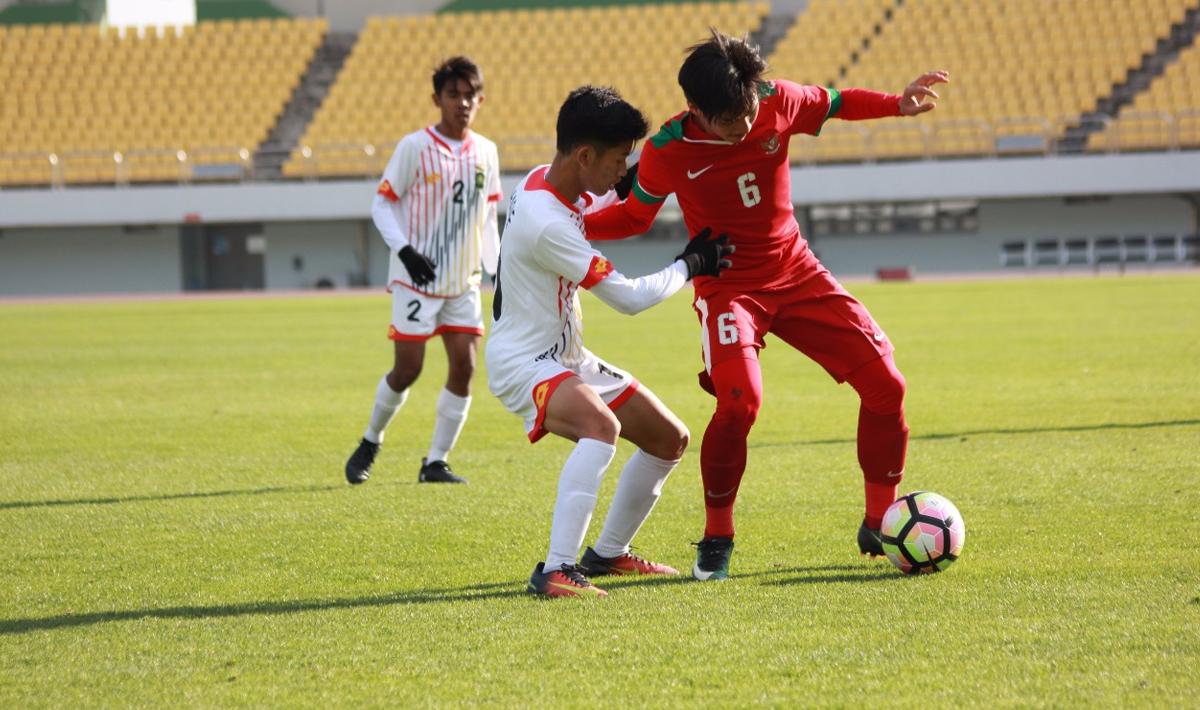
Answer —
177 530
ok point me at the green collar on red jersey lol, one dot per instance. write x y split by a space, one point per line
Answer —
671 131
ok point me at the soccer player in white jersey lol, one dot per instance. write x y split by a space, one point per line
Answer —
538 366
436 209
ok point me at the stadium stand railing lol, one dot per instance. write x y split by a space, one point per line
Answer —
1103 250
88 105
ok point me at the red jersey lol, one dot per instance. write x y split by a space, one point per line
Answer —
743 189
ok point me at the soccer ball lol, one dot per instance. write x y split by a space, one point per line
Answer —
922 532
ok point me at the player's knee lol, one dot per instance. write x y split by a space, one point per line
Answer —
738 413
673 444
403 375
880 386
602 426
683 439
458 375
460 364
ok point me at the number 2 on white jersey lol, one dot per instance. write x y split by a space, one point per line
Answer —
751 195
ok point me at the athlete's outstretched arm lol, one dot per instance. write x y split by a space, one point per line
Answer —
861 104
703 256
630 296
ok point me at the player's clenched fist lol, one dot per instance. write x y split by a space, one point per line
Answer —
419 266
706 257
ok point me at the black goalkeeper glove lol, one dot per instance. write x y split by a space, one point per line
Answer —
706 257
419 266
625 185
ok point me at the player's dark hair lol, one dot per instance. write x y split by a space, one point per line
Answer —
456 68
598 116
720 75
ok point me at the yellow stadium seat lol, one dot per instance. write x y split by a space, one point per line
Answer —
92 92
519 113
1053 47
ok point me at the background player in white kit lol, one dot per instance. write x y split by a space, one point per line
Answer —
436 209
537 364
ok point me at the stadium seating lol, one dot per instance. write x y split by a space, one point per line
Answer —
826 37
82 104
1022 70
1166 115
530 59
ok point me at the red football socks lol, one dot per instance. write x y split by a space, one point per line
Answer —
879 497
882 433
738 387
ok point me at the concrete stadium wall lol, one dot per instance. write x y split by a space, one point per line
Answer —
1001 221
119 239
301 254
94 260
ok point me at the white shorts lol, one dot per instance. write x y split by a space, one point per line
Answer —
416 316
524 388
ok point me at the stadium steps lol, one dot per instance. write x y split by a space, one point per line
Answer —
314 86
1182 35
773 28
876 30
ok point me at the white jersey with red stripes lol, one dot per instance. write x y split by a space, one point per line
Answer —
439 196
544 259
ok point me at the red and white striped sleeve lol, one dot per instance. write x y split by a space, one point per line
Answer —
398 177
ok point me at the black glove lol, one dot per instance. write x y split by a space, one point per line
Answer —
625 185
706 257
419 266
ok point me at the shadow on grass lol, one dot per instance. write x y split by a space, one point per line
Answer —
686 578
14 504
823 578
476 592
980 432
820 574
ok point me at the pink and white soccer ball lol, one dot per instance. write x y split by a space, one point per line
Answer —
922 532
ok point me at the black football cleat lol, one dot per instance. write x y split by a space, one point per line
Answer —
566 581
358 468
437 472
869 541
712 559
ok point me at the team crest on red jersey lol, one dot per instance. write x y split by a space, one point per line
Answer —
771 144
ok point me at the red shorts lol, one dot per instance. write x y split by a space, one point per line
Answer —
816 316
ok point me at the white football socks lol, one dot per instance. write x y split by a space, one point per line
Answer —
451 415
638 490
387 403
577 487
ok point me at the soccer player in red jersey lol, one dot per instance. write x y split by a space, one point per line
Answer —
726 159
